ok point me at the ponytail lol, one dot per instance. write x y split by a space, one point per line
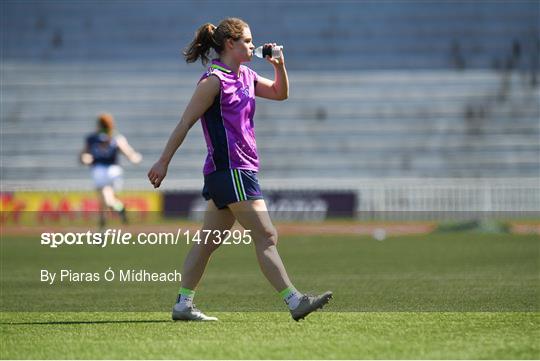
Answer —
209 37
201 44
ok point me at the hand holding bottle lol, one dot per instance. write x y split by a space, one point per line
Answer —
272 52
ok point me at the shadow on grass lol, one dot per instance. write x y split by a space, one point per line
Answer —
82 322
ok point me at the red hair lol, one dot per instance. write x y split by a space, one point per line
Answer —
106 123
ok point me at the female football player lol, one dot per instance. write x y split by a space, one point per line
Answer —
224 100
101 153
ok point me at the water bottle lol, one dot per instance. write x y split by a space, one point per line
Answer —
272 51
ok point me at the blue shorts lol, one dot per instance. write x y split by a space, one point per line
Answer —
230 186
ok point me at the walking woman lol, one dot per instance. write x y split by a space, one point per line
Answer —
224 100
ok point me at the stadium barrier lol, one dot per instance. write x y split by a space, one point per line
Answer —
309 199
46 207
286 205
435 199
432 198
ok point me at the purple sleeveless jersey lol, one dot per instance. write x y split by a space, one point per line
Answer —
228 124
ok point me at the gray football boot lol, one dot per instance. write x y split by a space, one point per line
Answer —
309 303
189 314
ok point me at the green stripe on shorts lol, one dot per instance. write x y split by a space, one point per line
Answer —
239 190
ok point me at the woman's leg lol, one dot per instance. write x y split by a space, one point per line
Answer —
110 199
102 208
253 216
195 263
196 260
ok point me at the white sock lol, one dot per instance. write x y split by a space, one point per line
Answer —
291 296
185 297
185 301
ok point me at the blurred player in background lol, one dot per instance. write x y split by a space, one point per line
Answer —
224 100
101 153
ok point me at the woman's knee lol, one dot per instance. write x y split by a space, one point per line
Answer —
207 249
268 237
213 241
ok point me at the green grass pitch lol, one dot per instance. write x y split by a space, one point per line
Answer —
455 295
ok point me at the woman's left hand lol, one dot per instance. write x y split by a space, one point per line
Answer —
157 173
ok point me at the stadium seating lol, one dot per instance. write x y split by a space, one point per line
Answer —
448 90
